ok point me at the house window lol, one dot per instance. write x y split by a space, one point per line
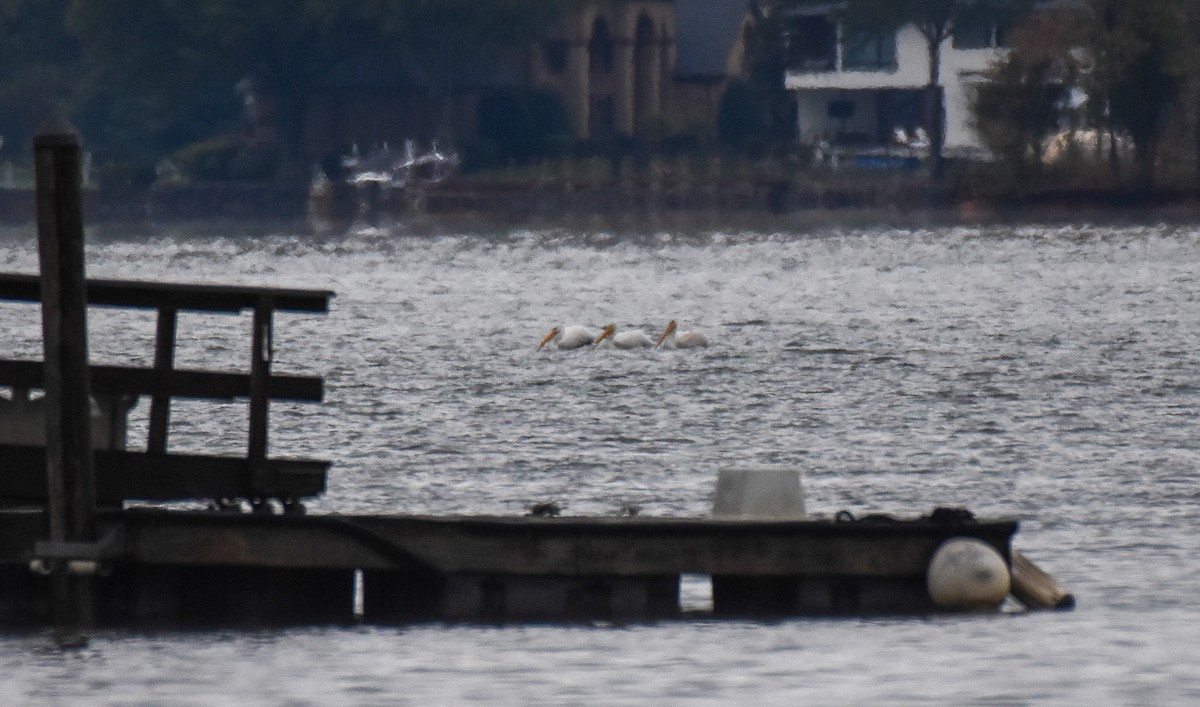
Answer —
811 43
869 52
1004 28
600 49
982 33
554 54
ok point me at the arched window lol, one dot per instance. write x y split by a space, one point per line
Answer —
554 55
645 72
600 49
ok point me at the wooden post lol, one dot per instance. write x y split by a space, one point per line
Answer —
69 471
164 360
1035 588
260 375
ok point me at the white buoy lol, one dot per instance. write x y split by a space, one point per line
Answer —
759 493
967 574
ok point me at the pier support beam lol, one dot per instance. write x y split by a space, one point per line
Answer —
766 596
164 596
24 598
393 597
519 597
70 475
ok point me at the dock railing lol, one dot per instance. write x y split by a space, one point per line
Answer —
156 474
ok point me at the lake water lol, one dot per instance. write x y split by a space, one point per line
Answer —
1050 374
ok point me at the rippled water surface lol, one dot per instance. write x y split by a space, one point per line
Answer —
1049 374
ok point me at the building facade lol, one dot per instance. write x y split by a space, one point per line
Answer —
868 89
620 67
611 62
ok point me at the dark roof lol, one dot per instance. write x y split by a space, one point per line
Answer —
705 32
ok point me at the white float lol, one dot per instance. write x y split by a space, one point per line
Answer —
967 574
759 493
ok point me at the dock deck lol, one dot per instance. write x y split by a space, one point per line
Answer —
169 567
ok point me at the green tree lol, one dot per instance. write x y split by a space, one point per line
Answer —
38 70
163 74
454 44
743 118
766 67
1024 98
1133 83
1183 61
1187 58
520 124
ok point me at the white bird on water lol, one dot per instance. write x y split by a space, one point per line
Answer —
624 340
570 337
672 338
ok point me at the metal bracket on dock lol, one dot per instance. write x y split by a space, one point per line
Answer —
81 558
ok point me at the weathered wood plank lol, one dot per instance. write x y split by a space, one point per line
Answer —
71 480
20 528
164 360
208 385
260 375
197 297
124 475
524 546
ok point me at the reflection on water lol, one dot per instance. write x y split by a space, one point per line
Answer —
1047 374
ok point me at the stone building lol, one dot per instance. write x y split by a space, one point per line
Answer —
634 66
621 67
611 62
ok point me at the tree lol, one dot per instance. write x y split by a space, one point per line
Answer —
766 66
520 124
1024 98
38 69
1180 22
1133 84
743 118
163 74
1187 57
452 44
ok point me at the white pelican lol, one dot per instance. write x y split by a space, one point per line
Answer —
624 340
673 339
571 337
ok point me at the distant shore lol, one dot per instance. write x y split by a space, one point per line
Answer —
755 204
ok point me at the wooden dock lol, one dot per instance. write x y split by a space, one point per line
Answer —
261 561
80 546
178 568
156 474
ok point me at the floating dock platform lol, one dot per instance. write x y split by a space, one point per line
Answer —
179 568
82 544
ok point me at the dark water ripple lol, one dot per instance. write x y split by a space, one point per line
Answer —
1049 374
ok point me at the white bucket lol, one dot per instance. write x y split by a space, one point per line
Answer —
759 493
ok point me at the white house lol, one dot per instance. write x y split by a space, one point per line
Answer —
857 91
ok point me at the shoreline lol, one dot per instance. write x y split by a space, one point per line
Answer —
764 206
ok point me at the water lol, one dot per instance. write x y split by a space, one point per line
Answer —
1048 374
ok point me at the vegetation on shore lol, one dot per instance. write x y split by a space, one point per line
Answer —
1095 95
